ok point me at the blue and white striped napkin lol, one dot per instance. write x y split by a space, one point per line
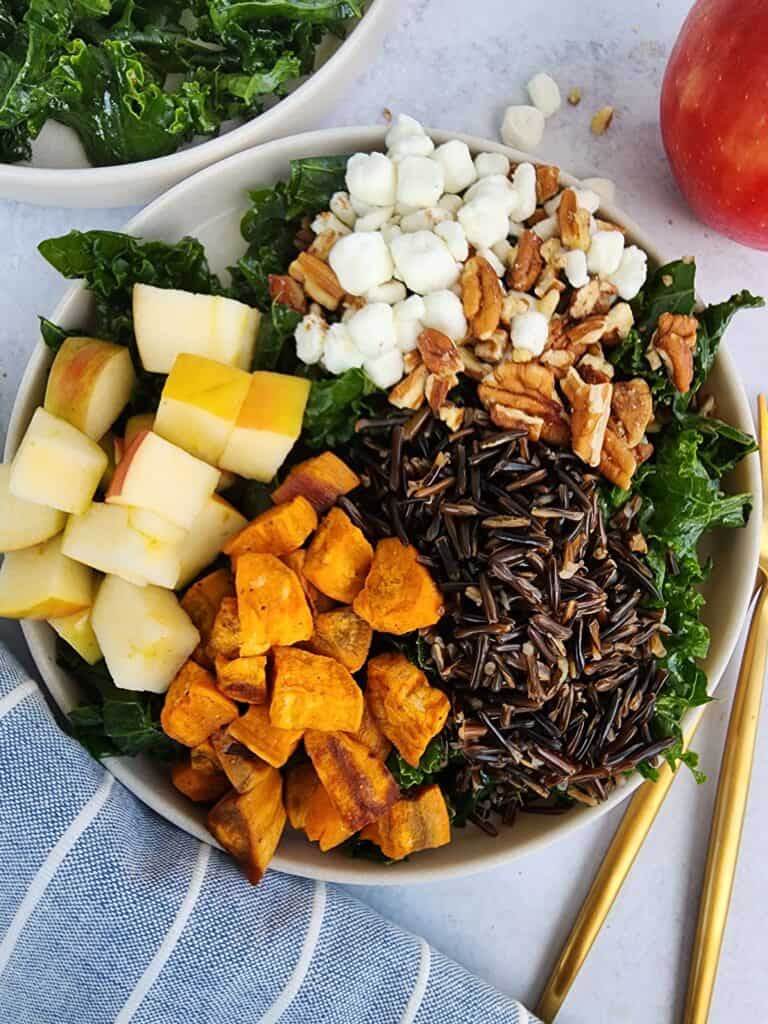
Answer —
110 914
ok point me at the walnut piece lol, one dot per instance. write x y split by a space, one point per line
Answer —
319 280
631 410
590 409
287 292
528 262
481 297
573 222
409 393
674 342
439 353
547 182
522 395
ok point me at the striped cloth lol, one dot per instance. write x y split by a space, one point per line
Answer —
110 914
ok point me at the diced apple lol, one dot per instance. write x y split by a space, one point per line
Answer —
56 465
125 542
113 448
267 426
89 384
136 424
156 475
210 531
42 583
24 523
199 405
77 631
168 322
145 634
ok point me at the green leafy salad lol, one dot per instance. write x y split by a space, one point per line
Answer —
63 62
137 80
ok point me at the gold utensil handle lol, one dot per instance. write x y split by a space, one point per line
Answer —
730 806
616 865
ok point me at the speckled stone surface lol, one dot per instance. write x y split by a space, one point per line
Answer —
456 65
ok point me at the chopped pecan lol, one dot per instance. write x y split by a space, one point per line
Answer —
507 418
631 409
595 369
523 394
549 302
602 120
642 452
573 221
608 225
607 296
322 245
547 182
618 323
492 351
528 263
409 393
536 217
439 353
512 305
437 388
287 292
559 361
411 360
473 367
451 415
617 461
481 296
319 280
586 332
674 342
553 252
548 280
590 409
584 299
636 542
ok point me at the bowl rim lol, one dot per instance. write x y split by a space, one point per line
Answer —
188 161
364 872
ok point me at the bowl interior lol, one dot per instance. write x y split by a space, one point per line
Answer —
209 206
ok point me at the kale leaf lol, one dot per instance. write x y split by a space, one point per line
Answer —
334 404
432 762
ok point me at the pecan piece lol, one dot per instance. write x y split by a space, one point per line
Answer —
439 353
584 299
528 263
547 182
492 351
319 280
617 461
674 343
585 333
595 369
409 393
437 388
573 222
451 415
522 395
631 410
618 323
590 409
481 297
287 292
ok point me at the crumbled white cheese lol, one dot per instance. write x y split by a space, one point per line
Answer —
420 182
390 291
376 218
605 251
361 261
372 178
630 276
423 262
310 336
544 93
529 331
484 220
443 312
458 168
340 353
386 369
372 329
325 222
491 163
452 233
576 268
522 127
341 206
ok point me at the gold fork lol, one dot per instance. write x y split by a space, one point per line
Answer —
726 826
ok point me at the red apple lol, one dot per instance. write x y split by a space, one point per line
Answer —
714 116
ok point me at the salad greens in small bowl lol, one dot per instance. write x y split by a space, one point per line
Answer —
583 620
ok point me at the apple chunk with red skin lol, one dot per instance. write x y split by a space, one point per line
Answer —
267 426
199 405
56 465
89 384
24 523
210 531
168 321
145 634
156 475
137 545
42 583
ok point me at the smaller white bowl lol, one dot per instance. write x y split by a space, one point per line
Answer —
60 174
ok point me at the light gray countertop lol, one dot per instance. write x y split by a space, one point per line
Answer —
455 65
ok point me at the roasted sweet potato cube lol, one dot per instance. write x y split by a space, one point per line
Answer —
371 736
201 602
243 679
203 757
224 641
321 480
201 785
273 608
242 767
277 531
310 691
256 732
412 824
407 709
301 781
359 784
399 594
338 557
250 824
317 602
343 635
193 707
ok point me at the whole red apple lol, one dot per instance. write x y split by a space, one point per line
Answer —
714 116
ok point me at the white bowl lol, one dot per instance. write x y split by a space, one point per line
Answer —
60 175
209 206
